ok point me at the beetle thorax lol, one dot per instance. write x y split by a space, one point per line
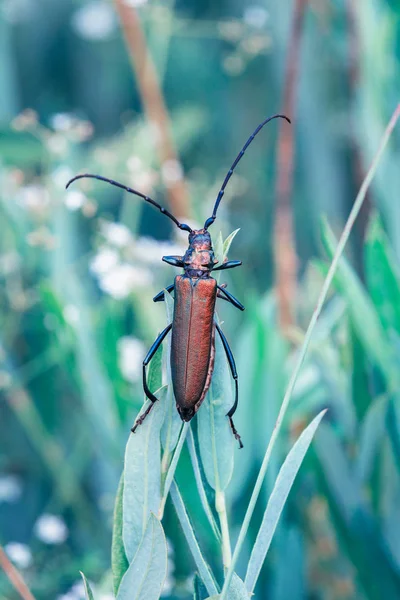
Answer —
199 258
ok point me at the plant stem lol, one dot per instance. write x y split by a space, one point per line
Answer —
171 471
284 242
303 350
14 576
153 101
220 506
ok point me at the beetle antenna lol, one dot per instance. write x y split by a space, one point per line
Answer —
211 219
132 191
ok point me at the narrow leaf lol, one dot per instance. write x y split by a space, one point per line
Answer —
227 243
199 591
362 312
202 567
382 275
215 436
142 476
88 591
277 500
146 574
119 562
200 485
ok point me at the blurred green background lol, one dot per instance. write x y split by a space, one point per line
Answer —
78 271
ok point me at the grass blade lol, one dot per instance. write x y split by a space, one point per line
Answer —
277 500
300 359
200 485
88 591
202 567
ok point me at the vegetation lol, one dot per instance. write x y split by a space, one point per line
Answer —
78 270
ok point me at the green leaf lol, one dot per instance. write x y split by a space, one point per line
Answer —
202 567
147 572
237 590
88 591
277 500
372 433
227 243
382 275
119 562
142 476
215 436
199 591
154 377
200 485
219 249
363 314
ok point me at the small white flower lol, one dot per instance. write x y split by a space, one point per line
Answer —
136 3
116 234
78 590
171 171
94 21
71 314
9 262
105 259
134 163
19 554
33 196
10 487
74 199
151 251
120 281
57 144
255 16
61 121
130 356
51 529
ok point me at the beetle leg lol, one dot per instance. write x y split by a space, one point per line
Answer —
175 261
229 264
160 295
230 298
232 366
146 361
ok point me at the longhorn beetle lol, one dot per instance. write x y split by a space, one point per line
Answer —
193 325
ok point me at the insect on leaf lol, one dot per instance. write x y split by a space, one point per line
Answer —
142 476
147 572
277 500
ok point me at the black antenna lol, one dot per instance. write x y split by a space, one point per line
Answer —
132 191
211 219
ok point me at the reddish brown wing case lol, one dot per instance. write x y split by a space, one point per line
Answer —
192 345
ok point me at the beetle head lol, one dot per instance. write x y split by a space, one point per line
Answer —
200 239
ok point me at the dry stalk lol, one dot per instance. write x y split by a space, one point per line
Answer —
153 101
284 241
14 576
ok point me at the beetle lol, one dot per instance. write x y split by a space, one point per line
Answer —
193 326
